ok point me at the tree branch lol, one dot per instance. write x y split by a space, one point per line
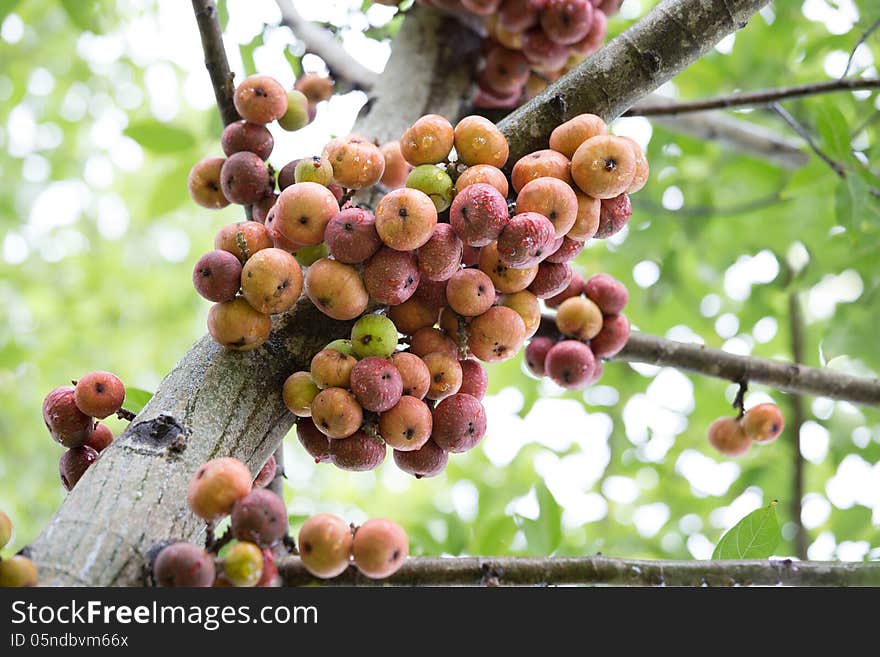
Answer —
215 58
667 40
521 571
322 43
755 98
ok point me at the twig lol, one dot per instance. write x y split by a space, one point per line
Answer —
796 125
125 414
215 58
520 571
796 330
322 43
739 402
852 53
755 98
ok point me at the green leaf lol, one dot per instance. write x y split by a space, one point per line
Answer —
169 191
84 14
222 14
247 54
295 62
833 128
753 537
160 137
136 399
544 534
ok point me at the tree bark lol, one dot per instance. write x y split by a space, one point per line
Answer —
598 570
667 40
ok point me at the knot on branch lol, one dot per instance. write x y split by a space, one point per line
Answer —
652 61
492 574
161 431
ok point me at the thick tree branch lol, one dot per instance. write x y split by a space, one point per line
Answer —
667 40
754 98
519 571
322 43
215 58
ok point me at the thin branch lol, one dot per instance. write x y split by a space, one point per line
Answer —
755 98
799 128
215 58
852 53
520 571
668 39
322 43
796 331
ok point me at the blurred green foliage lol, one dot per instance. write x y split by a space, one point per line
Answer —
98 238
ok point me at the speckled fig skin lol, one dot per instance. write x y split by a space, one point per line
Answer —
357 453
271 281
613 216
391 277
74 463
99 394
579 318
428 340
315 87
380 547
566 137
603 166
376 384
596 36
260 99
243 239
431 293
396 166
303 211
483 173
552 279
506 279
287 175
451 323
613 336
336 289
470 292
574 288
527 307
607 292
497 335
542 51
570 364
316 444
526 240
414 374
245 179
412 315
262 207
203 183
763 423
236 325
427 461
434 182
727 436
260 517
536 355
324 542
459 423
244 136
405 219
481 7
407 425
587 221
67 424
332 369
643 171
440 257
568 250
266 475
183 565
298 114
479 141
517 15
351 235
474 378
504 72
101 438
336 413
567 21
314 169
446 374
217 276
427 141
216 486
551 198
357 162
478 214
